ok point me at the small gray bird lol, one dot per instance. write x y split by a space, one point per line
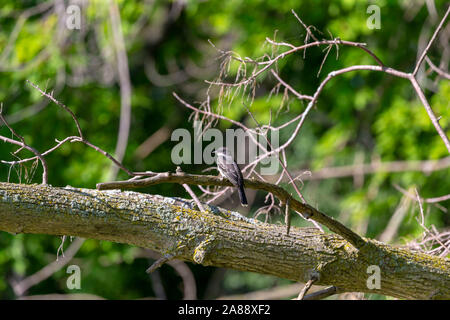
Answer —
229 169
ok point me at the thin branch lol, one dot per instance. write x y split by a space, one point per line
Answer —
287 86
110 157
59 143
307 286
275 293
193 196
158 263
425 166
152 142
430 112
311 104
302 208
322 294
284 166
434 201
292 181
21 287
424 53
125 85
23 145
440 72
183 270
268 64
437 199
78 139
304 26
62 105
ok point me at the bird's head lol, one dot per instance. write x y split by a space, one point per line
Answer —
222 151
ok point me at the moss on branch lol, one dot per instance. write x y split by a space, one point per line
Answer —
220 238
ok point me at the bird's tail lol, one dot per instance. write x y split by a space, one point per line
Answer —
242 196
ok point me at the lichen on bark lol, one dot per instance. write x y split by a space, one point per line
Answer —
219 237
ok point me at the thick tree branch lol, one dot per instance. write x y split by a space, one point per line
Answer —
300 207
220 238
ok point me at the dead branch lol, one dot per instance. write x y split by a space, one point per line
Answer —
300 207
425 166
220 238
424 53
21 287
22 144
125 86
440 72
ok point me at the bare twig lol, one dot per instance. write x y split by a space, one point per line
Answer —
322 294
287 218
395 221
430 112
279 292
425 166
23 145
20 22
440 72
152 142
193 196
304 26
267 64
284 166
438 199
189 285
434 201
158 263
301 208
424 53
62 105
311 104
307 286
21 287
422 222
295 92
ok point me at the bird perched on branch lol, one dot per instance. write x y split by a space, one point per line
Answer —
229 169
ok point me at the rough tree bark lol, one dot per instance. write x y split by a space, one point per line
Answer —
218 237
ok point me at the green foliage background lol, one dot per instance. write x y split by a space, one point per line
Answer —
358 114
